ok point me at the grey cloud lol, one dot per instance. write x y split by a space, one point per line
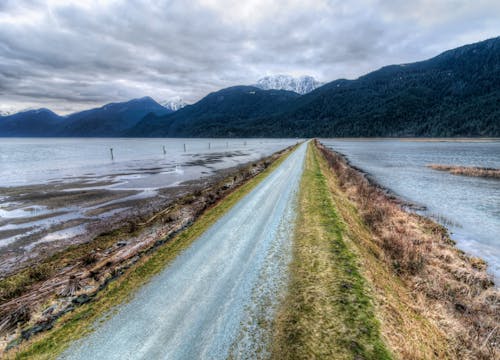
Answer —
67 56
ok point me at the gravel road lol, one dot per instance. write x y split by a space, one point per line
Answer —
217 299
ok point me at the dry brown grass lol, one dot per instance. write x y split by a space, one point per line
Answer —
467 170
436 288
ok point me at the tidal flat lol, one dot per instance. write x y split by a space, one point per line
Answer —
64 192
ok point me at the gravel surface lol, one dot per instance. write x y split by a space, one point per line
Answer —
218 298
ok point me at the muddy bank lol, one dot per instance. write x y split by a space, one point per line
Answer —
33 298
39 220
71 218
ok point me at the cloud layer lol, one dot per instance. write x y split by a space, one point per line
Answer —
69 55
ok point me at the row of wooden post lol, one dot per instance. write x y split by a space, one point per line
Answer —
165 150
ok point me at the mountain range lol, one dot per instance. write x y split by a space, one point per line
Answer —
109 120
222 113
456 93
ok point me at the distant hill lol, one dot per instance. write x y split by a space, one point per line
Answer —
36 123
109 120
222 113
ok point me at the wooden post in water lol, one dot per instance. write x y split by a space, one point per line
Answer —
111 152
245 143
164 151
209 146
227 144
184 147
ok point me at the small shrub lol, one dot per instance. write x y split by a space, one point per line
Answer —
89 258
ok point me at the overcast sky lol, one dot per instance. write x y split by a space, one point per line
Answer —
69 55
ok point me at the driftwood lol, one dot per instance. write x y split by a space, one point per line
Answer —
10 321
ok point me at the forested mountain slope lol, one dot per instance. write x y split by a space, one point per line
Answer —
454 94
222 113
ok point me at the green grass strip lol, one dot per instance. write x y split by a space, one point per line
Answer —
328 313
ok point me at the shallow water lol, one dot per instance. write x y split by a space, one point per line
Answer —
468 206
26 161
37 173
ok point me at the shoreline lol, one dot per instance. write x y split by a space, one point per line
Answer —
92 211
448 289
413 206
38 220
451 226
97 265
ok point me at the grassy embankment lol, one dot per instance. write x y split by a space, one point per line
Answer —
467 170
433 301
78 323
328 313
355 246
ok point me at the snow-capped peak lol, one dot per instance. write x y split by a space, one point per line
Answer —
175 103
301 84
7 110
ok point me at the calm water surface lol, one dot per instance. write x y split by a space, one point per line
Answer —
26 161
468 206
